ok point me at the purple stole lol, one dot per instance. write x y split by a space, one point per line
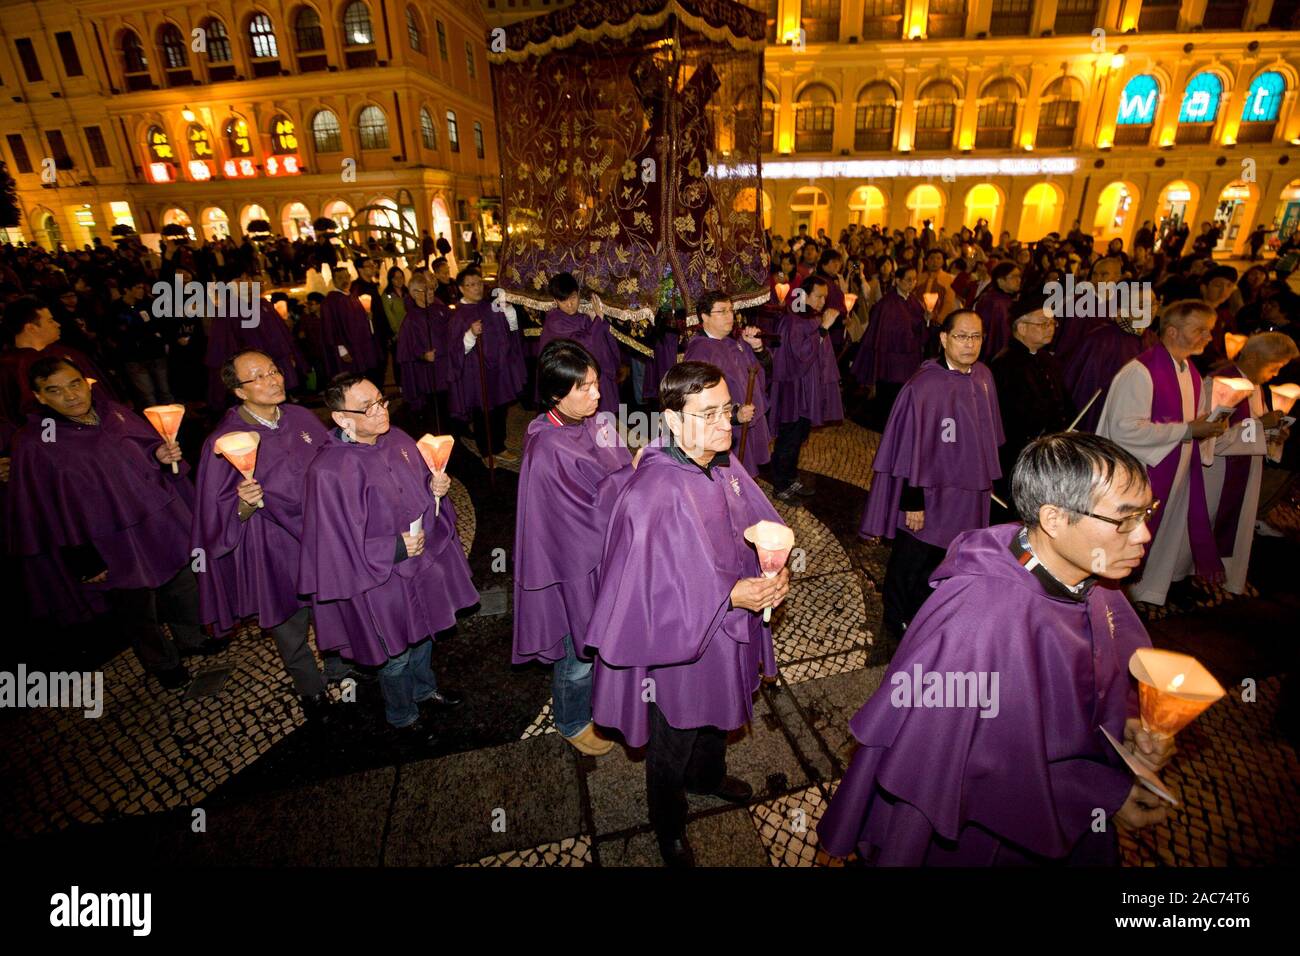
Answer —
1235 479
1167 406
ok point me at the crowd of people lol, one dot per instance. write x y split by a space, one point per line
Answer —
1092 431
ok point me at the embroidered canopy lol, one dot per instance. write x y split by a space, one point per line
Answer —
630 135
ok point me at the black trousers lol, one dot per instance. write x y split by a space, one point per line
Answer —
907 580
299 662
785 453
498 422
141 612
677 760
883 403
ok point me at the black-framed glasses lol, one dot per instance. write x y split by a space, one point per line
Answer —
1129 523
371 410
271 372
715 416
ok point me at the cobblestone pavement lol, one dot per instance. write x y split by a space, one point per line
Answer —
503 789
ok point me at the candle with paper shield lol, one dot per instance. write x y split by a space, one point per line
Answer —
1284 396
773 542
240 449
782 290
850 300
166 420
1173 689
931 300
364 299
1233 344
436 451
1228 392
282 307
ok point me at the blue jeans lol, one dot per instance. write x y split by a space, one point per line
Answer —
571 691
406 680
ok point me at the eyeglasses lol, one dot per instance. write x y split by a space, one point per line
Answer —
271 372
371 410
715 416
1042 323
966 338
1129 523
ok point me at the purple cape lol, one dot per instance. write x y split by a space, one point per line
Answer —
16 398
894 342
344 322
501 355
673 552
1093 366
1073 333
97 486
252 565
360 499
568 481
736 358
423 330
664 358
270 335
805 374
594 336
994 308
1019 786
943 435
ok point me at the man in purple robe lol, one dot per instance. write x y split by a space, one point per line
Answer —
593 334
893 344
30 332
677 626
1096 361
994 307
347 331
573 470
249 528
422 350
805 382
268 333
935 467
984 744
487 364
101 522
380 558
745 364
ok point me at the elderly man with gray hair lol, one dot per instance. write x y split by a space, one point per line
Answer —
984 744
1233 481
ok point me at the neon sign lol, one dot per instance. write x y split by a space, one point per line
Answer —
283 166
239 169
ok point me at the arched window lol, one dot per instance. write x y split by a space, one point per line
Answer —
996 123
1260 113
1011 18
882 19
414 36
358 37
936 115
284 136
162 158
821 20
478 140
814 119
135 65
768 142
946 18
1058 115
428 132
325 132
874 123
261 36
356 25
453 132
1200 108
373 128
218 40
175 54
307 33
1137 110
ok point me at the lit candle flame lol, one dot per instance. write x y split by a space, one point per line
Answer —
1176 683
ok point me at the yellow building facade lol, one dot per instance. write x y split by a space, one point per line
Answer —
1032 114
212 115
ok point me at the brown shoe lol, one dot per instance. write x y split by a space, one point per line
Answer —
589 742
507 456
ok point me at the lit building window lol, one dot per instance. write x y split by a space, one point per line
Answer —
1260 112
428 131
325 132
262 37
814 120
1137 111
356 25
453 132
874 121
373 128
218 41
413 34
936 116
995 124
307 33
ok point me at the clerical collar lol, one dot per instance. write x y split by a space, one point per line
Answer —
943 357
557 417
1024 554
720 460
262 421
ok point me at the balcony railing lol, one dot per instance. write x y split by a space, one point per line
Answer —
873 140
934 139
1054 137
1157 19
993 138
359 59
266 68
1010 24
1132 135
882 28
313 62
1196 134
813 140
1256 132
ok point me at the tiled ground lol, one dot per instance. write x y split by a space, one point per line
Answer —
503 789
